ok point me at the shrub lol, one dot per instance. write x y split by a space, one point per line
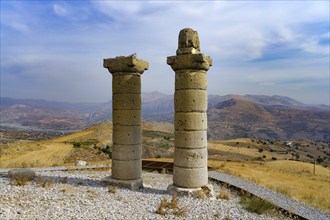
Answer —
76 144
260 150
256 205
107 151
20 180
45 183
274 158
165 207
319 159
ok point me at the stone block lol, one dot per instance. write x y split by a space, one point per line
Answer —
207 190
126 135
190 101
81 163
125 64
126 169
187 79
126 152
126 83
188 38
190 139
126 117
126 101
190 121
190 177
190 158
190 62
129 184
23 173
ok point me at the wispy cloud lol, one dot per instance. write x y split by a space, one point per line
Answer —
253 44
60 10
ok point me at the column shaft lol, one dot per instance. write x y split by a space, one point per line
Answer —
190 119
126 116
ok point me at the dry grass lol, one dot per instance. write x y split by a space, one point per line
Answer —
199 194
180 212
20 180
165 207
112 189
43 182
229 150
162 207
223 195
292 178
46 154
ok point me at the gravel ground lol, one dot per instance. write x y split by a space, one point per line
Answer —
81 195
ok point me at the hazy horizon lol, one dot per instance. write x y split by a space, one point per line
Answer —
54 50
160 94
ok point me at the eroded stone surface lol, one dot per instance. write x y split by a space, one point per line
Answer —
126 113
188 42
190 62
197 79
193 158
126 169
185 177
125 64
190 104
129 184
193 121
190 139
24 173
192 100
207 190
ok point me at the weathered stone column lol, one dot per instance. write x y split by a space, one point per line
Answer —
126 118
190 119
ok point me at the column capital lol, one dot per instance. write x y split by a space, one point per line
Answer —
198 61
128 64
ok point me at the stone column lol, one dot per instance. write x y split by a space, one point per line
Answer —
126 118
190 119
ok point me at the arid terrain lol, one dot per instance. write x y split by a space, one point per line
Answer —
273 141
230 116
278 165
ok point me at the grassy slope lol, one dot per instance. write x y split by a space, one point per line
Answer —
292 178
295 179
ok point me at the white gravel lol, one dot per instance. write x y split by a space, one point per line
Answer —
83 196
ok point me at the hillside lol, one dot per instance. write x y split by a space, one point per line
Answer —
93 144
230 116
237 118
278 165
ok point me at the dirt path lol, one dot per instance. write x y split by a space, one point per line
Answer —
72 136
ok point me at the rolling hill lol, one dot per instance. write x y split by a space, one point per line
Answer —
230 116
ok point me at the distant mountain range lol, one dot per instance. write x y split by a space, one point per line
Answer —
230 116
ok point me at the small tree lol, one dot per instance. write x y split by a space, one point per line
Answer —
319 160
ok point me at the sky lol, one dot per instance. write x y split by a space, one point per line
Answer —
54 50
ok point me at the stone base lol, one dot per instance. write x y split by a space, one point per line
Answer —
129 184
203 192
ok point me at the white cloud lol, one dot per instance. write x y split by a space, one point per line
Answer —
232 32
60 10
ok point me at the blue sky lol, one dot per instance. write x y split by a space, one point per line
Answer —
54 50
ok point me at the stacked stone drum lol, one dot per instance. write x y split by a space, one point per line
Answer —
190 119
126 116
